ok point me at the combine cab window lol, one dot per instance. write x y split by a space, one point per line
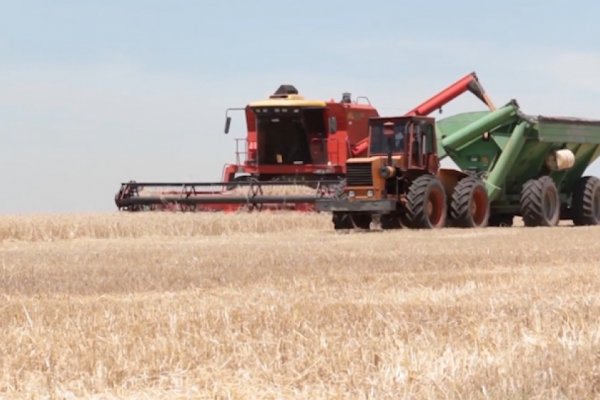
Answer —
379 143
293 136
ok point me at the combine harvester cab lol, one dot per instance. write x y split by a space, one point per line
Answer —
531 166
294 152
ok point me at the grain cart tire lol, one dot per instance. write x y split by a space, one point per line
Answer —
540 204
502 220
469 205
361 220
341 220
426 203
586 201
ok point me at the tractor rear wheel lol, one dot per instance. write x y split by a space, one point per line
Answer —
426 203
540 204
586 201
469 206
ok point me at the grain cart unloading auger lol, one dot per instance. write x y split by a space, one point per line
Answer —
511 164
289 141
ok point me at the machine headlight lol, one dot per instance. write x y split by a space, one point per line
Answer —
370 193
387 172
351 194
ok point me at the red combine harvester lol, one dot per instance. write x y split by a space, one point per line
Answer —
290 141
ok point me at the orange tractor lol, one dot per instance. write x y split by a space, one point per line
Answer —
289 141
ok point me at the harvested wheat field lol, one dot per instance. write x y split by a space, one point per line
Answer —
274 306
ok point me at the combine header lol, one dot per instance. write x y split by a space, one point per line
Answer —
294 153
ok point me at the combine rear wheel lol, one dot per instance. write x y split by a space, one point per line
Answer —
469 206
586 201
540 204
426 203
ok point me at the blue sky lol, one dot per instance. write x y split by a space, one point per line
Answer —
93 93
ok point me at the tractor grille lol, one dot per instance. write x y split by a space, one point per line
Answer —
359 174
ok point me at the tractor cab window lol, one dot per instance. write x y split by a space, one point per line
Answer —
380 143
427 133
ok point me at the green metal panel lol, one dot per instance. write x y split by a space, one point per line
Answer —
568 130
454 141
446 126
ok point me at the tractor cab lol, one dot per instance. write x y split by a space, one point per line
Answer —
408 142
397 145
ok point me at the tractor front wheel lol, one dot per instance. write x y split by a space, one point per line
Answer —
426 203
341 220
540 204
361 220
586 201
469 206
391 221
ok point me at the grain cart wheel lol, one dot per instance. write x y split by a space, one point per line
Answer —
586 201
469 206
426 203
540 205
361 220
342 220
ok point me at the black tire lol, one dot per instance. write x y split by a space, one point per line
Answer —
501 220
586 201
341 220
426 203
391 221
469 206
540 204
361 220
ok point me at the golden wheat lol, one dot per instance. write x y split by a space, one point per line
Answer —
277 305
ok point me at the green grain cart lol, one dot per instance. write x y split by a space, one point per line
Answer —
531 166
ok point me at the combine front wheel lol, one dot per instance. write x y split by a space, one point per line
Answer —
426 203
469 207
586 201
540 204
